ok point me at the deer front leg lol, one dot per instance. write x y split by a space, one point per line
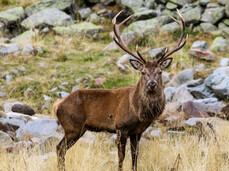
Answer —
134 140
121 141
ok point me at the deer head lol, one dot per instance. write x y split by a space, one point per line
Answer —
150 71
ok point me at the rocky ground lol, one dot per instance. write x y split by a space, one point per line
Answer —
50 48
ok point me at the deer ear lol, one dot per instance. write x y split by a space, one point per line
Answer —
166 63
136 64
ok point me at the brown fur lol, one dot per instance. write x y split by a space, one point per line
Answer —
126 111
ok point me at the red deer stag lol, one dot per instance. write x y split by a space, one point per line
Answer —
125 111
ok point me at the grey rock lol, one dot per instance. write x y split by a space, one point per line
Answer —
28 49
165 77
179 2
42 65
171 6
220 44
107 2
193 15
46 98
144 14
19 108
155 53
222 2
8 78
227 9
200 92
9 50
62 94
13 15
200 45
192 110
212 109
94 18
148 27
213 15
204 2
88 138
25 36
42 128
84 13
123 61
218 82
182 95
47 145
192 121
47 17
127 38
169 92
208 27
130 6
194 83
75 88
3 94
213 5
29 92
156 133
151 4
222 69
14 122
84 29
171 27
5 139
42 5
224 62
7 106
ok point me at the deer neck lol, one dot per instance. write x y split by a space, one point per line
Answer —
148 105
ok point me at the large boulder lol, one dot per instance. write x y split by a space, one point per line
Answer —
42 128
9 49
47 17
213 15
182 95
84 29
130 6
13 15
63 5
193 15
25 36
218 82
179 2
148 27
144 14
171 27
220 44
5 139
208 27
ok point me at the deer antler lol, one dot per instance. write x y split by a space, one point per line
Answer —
119 42
179 44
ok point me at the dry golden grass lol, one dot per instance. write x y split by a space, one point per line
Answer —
155 155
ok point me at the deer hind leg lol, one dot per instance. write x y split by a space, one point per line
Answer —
121 141
134 141
67 142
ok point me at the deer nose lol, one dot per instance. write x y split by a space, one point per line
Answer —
152 85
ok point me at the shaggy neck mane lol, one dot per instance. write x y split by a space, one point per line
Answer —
148 105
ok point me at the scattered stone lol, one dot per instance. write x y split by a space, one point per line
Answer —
29 92
208 27
171 6
84 29
155 53
200 91
204 2
3 94
182 95
220 44
47 17
27 49
100 81
13 15
192 110
179 2
21 108
144 14
18 146
94 18
193 15
26 36
213 15
62 5
156 133
224 62
42 128
9 50
192 121
171 27
62 94
169 92
84 13
88 138
75 88
130 6
165 77
5 139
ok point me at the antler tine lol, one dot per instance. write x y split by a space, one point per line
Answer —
179 45
119 42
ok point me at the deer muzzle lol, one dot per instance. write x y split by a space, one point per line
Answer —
152 85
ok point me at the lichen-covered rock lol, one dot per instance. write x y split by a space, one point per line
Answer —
204 2
148 27
42 128
220 44
130 6
12 15
171 27
5 139
84 29
208 27
24 37
171 6
193 15
179 2
94 18
144 14
47 17
213 15
84 13
227 9
8 50
39 6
